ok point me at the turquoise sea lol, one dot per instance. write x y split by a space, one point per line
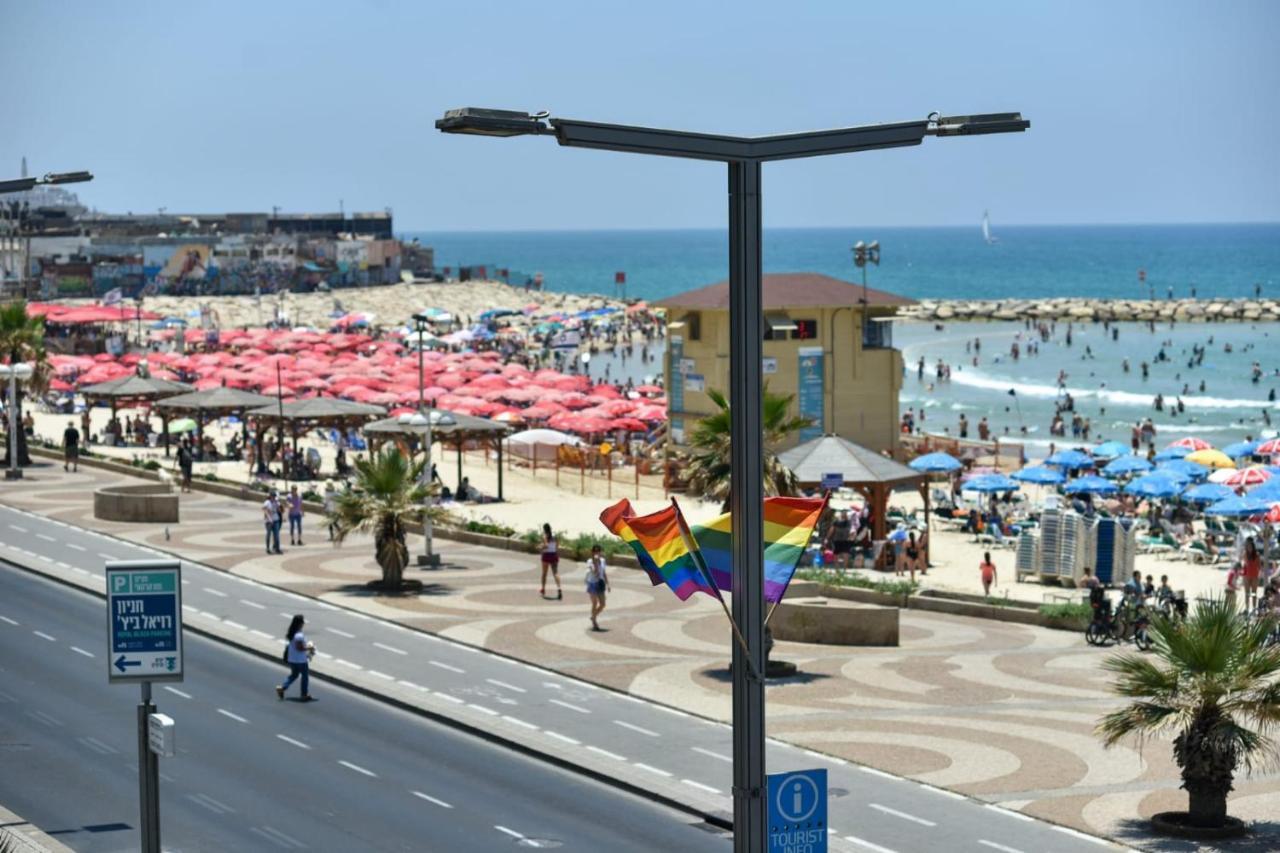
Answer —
1026 261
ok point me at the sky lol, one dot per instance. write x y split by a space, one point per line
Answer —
1141 112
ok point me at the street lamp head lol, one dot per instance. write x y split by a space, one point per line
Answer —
66 177
483 122
975 125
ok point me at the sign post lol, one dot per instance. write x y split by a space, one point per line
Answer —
144 644
798 812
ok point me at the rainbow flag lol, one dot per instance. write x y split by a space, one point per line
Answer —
788 525
663 545
707 566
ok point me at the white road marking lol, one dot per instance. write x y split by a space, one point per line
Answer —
374 672
711 754
559 736
449 667
510 832
10 621
47 719
340 632
482 709
75 547
235 625
98 746
211 804
867 844
410 684
42 635
430 799
286 615
358 769
577 708
239 719
296 743
255 605
700 785
943 791
391 649
999 847
652 769
627 725
1082 836
606 753
347 663
260 633
107 557
175 691
880 773
276 837
216 592
81 651
496 683
1010 812
519 722
446 697
17 528
902 815
553 685
46 537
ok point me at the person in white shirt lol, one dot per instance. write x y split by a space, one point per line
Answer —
298 655
597 584
271 520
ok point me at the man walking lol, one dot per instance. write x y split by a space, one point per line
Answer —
185 460
71 447
271 520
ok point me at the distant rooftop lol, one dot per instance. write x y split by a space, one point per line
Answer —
789 290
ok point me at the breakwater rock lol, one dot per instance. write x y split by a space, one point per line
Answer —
1088 310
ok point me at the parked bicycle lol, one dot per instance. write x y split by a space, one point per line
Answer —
1131 620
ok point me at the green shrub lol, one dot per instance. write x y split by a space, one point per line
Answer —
312 496
209 477
532 537
1076 611
490 528
857 581
151 465
610 545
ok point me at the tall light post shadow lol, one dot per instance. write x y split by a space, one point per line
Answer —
744 157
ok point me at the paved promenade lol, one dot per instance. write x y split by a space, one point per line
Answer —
999 712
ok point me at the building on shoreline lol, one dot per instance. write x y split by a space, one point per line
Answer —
828 342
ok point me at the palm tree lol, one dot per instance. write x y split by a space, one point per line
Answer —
22 339
387 491
710 442
1215 685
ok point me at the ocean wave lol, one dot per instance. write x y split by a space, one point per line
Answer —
976 379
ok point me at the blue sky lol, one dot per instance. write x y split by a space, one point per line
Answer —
1141 111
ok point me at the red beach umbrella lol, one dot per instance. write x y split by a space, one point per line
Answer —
1268 448
1192 443
1248 477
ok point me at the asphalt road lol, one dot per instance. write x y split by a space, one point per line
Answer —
253 773
683 755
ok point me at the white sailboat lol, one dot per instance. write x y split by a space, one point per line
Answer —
986 229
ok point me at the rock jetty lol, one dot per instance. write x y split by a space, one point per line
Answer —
1087 310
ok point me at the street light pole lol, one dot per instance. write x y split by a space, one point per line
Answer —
744 157
427 559
15 373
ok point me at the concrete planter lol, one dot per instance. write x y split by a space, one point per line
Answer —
149 504
836 622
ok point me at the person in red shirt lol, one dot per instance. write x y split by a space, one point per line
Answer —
988 570
1251 571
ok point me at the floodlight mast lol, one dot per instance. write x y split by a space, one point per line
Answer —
744 156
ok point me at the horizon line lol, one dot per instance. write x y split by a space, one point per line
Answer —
721 228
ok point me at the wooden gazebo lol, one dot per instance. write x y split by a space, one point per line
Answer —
871 474
129 390
447 428
301 416
217 402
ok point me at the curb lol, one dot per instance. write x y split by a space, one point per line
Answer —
28 837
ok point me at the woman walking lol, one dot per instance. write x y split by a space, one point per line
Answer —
597 584
295 516
1251 571
298 655
988 570
550 560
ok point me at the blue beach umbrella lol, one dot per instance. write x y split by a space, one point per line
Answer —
1268 491
1092 485
1157 484
1185 468
1123 466
1041 474
1110 450
935 463
1241 448
1070 459
1207 493
1175 452
991 483
1238 507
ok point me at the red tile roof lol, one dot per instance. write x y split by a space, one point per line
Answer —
789 290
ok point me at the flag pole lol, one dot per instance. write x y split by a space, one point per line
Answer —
692 547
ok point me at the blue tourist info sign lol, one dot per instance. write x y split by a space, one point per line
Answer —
811 396
144 621
798 812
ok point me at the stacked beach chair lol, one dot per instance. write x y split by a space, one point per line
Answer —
1027 563
1065 542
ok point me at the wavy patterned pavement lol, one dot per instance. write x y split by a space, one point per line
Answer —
997 711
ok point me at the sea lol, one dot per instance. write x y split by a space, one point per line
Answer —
1024 262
